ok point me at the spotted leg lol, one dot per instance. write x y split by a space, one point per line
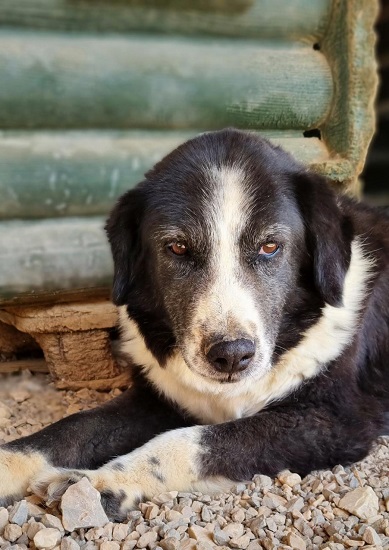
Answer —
87 439
211 457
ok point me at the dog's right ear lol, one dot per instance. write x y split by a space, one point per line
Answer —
123 229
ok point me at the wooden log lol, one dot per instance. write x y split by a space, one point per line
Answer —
53 80
52 174
53 254
33 365
306 19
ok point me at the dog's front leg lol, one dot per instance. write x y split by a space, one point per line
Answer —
87 439
211 458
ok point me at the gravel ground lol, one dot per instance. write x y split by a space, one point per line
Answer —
339 509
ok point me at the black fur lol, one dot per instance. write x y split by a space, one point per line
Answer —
334 417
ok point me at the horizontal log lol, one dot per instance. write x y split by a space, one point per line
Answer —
33 365
247 18
52 174
52 80
53 254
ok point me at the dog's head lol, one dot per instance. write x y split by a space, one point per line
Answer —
211 248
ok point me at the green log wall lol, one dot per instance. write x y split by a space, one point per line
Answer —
93 92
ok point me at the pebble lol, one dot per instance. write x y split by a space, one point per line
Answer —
5 412
12 532
370 536
220 537
145 539
241 542
295 541
4 519
234 530
67 543
19 513
286 477
109 545
81 507
362 502
47 538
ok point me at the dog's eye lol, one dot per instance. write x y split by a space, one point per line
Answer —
178 248
269 249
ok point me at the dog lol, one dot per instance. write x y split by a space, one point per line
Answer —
254 304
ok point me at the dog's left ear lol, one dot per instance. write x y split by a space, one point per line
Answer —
329 235
123 229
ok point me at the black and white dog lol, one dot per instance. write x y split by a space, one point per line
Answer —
255 304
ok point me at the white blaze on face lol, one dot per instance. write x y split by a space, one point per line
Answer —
227 307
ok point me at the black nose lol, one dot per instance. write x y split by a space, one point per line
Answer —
233 356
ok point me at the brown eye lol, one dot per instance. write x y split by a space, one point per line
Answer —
178 248
269 249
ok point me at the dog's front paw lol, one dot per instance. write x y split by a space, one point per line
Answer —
17 470
117 497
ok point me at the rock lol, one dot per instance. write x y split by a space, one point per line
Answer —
165 497
170 543
234 530
47 538
5 412
295 541
49 520
362 502
370 536
33 528
19 513
241 542
81 507
109 545
12 532
294 504
220 537
67 543
199 533
238 516
119 531
288 478
4 517
19 395
146 539
34 510
262 481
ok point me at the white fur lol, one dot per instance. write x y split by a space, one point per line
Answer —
213 402
16 471
170 461
226 306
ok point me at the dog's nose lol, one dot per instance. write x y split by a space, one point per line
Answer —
232 356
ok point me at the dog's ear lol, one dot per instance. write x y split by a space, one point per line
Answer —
329 235
123 229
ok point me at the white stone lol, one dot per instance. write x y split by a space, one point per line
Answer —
288 478
47 538
146 539
4 519
362 502
49 520
12 532
19 513
81 507
295 541
67 543
5 412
